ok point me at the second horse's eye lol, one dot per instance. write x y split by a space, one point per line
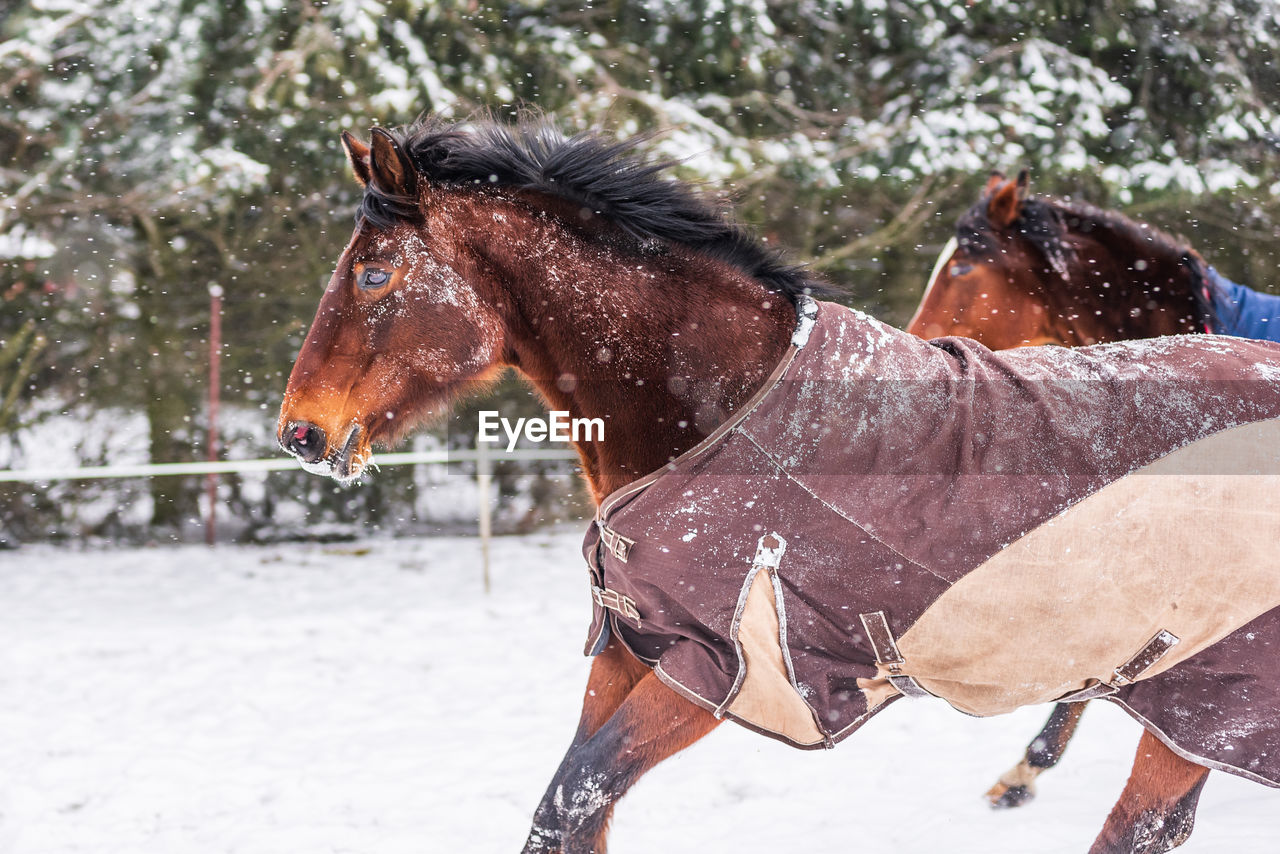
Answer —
961 269
373 279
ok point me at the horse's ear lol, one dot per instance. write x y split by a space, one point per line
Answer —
1023 175
995 180
358 155
1002 207
392 173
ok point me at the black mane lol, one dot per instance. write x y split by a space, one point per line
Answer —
1045 223
605 176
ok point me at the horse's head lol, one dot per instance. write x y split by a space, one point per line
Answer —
401 330
988 283
622 296
1028 271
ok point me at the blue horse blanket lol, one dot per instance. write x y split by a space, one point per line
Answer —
1243 312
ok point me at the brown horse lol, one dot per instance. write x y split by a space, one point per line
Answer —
619 295
1025 271
1029 271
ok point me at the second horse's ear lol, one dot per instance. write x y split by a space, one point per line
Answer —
391 171
1005 203
358 155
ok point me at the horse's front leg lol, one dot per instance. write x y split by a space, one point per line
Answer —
1017 785
1157 809
614 672
652 723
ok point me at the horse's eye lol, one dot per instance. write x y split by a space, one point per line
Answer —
961 269
371 280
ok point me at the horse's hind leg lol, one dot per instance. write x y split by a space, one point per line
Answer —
651 724
1157 809
1017 785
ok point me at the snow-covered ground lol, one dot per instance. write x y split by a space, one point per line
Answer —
370 698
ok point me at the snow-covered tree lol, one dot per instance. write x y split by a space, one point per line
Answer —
150 148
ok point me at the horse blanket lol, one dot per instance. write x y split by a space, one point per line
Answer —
890 516
1242 311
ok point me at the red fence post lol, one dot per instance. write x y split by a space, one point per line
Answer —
215 382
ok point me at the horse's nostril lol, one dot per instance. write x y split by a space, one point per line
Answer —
305 441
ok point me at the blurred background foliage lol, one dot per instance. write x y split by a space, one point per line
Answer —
152 148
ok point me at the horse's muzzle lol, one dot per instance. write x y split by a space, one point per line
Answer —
305 441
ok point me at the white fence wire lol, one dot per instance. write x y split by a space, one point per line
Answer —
481 456
282 463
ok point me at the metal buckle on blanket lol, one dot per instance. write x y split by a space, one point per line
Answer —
615 601
880 636
1143 660
1129 672
617 545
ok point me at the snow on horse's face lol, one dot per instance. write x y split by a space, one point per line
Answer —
401 330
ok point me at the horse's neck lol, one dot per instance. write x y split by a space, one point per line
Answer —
1149 290
661 347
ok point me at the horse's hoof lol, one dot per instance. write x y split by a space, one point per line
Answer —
1003 797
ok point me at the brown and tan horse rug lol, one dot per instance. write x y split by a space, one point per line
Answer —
889 516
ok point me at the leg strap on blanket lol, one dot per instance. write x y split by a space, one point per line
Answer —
1151 652
887 655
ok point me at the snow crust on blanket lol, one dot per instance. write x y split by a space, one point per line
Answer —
369 698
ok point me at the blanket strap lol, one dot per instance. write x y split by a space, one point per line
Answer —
620 547
615 601
616 544
880 636
1152 651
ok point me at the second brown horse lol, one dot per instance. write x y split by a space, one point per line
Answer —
1024 271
